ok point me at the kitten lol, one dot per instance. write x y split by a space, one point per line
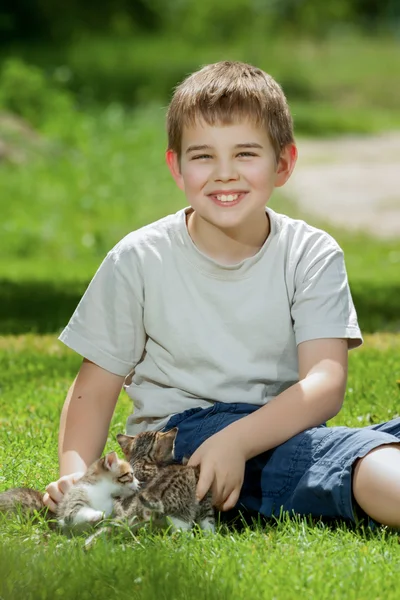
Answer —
170 489
147 452
93 497
90 499
150 452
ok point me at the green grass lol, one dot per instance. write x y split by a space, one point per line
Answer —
280 559
285 562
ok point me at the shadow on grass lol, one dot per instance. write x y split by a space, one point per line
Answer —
37 306
46 307
377 305
239 520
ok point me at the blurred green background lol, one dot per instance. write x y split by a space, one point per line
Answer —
83 93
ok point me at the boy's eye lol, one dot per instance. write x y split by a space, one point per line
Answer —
199 156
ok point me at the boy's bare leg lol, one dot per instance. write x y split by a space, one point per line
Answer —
376 484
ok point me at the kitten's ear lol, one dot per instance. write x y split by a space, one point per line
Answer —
125 442
166 444
110 461
170 435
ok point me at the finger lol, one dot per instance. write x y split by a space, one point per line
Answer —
54 492
219 502
220 491
218 495
77 476
205 482
194 460
47 501
64 486
64 483
231 501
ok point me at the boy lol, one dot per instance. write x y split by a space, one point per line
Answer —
232 322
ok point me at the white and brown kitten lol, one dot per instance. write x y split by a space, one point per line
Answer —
89 500
93 497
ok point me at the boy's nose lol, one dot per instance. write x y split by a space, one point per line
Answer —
225 172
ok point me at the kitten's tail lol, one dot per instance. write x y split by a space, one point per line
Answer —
26 500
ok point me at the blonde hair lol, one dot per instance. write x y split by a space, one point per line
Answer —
224 92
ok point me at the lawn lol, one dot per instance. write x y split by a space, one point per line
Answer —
61 212
285 559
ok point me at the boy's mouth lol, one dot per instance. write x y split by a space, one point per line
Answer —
227 199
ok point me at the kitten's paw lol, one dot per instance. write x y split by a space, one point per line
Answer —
207 525
178 524
147 513
95 516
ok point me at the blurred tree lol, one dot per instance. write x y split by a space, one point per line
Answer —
311 17
27 92
21 19
375 13
231 19
46 21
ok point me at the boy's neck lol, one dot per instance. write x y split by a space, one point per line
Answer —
227 247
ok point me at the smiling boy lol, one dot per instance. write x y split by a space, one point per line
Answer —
231 322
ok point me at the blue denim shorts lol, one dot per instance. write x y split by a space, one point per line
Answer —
310 474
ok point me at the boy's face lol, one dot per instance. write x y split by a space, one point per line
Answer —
228 172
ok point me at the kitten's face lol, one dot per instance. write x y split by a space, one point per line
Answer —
153 446
119 472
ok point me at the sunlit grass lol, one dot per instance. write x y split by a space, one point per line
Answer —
283 559
288 560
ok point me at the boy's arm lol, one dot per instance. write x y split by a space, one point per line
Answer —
317 397
86 416
84 424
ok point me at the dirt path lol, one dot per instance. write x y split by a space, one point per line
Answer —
353 182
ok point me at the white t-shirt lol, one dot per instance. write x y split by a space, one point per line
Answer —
188 331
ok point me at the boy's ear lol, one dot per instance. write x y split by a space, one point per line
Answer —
286 164
172 161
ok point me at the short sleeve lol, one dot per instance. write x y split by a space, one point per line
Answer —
322 305
107 325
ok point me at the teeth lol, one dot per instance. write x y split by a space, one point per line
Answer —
228 198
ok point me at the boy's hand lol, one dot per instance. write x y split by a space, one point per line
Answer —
222 463
56 489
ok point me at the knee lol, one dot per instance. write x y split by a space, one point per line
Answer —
376 484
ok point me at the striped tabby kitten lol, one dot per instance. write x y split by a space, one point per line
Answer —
169 489
89 500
